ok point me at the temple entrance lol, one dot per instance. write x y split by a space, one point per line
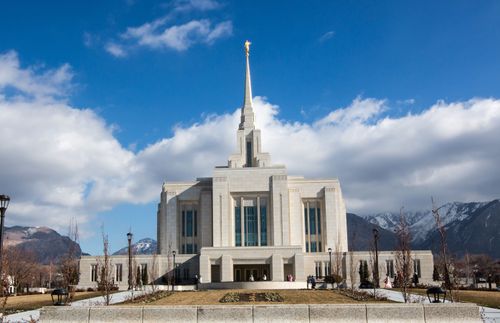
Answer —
247 272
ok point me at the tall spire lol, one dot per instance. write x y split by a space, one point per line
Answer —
247 115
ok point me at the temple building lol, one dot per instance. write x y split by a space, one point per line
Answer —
250 222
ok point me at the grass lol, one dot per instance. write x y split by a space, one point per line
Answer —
212 297
483 298
31 302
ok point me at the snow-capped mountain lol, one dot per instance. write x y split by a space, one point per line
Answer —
472 227
422 222
44 243
146 246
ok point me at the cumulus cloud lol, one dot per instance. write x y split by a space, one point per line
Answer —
115 49
60 161
164 33
178 37
31 81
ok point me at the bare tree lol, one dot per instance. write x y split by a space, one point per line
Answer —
20 266
69 265
106 281
153 273
403 256
446 261
352 265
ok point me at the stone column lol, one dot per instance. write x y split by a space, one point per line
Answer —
220 222
205 219
298 264
205 269
331 226
172 227
277 268
226 268
280 215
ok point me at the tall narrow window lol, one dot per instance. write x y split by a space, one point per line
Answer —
189 223
312 220
250 225
249 154
195 223
416 267
118 272
183 223
318 220
390 268
237 225
189 227
93 273
312 226
250 221
263 223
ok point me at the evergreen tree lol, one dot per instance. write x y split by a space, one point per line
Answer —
365 271
144 277
138 276
435 274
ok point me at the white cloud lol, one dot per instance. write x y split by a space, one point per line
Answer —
59 162
31 81
201 5
115 49
178 37
164 33
326 36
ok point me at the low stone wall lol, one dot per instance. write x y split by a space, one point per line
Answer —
363 313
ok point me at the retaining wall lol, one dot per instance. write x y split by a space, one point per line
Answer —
362 313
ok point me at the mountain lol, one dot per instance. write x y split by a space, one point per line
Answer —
472 227
360 234
477 233
146 246
46 244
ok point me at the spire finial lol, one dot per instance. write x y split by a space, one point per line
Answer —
247 118
247 47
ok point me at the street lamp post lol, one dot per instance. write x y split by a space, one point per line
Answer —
375 272
330 270
173 285
475 270
330 253
4 203
129 238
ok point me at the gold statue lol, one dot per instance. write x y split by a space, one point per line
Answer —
247 47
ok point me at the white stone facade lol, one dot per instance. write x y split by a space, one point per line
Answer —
250 220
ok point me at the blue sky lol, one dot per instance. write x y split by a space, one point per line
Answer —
144 76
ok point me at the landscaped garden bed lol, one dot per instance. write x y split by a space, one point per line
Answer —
235 297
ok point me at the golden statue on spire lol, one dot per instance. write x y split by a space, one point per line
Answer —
247 47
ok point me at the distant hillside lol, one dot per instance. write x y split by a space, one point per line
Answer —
477 233
46 244
146 246
360 234
472 227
